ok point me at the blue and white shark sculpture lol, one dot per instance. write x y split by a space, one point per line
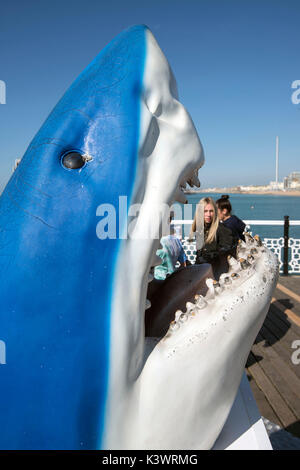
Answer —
72 304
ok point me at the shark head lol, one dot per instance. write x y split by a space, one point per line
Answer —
119 130
77 245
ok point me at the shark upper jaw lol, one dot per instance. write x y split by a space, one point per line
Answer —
170 154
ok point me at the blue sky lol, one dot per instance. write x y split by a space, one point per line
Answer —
234 62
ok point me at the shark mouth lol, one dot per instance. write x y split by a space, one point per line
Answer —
174 389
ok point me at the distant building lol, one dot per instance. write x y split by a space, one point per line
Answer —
276 185
292 181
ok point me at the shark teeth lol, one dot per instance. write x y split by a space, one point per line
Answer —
232 262
174 325
249 239
258 240
250 258
217 287
194 180
211 291
189 306
234 276
200 302
183 185
244 263
241 248
214 288
226 280
180 196
183 317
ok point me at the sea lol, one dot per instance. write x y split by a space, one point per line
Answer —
259 207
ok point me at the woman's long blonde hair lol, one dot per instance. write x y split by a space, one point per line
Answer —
198 223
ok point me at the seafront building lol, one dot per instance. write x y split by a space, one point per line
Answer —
292 181
275 186
289 183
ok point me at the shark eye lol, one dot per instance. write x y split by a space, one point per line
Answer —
73 160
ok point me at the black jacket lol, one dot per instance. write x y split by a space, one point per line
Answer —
224 244
236 225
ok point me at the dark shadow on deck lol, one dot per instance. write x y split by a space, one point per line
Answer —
287 438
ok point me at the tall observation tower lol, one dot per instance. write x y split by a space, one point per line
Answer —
277 158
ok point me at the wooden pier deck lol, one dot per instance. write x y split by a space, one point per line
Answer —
273 366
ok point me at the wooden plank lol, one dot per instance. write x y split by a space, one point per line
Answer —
283 412
263 405
283 332
284 353
280 314
278 308
285 339
288 292
282 377
290 314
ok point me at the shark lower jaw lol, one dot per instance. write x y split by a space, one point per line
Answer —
189 372
198 364
247 286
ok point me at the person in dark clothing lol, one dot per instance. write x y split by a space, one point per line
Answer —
229 220
214 241
222 245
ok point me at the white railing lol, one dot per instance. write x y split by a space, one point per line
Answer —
287 249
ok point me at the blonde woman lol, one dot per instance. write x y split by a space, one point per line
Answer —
214 241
